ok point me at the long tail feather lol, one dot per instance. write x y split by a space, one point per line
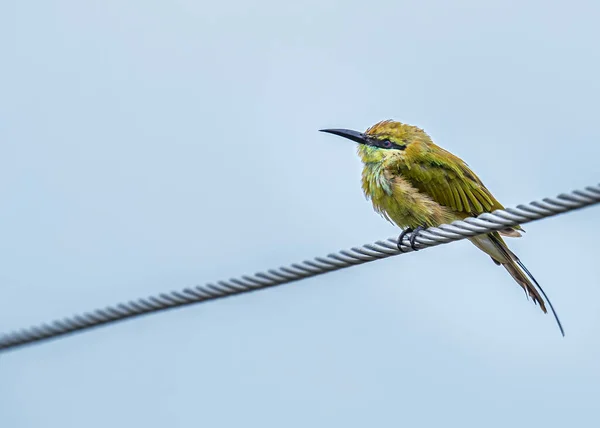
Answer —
562 331
494 245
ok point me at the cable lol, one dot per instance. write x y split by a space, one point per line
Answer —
430 237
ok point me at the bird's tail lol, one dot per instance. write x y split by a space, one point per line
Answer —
495 246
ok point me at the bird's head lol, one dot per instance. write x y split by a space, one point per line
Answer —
383 141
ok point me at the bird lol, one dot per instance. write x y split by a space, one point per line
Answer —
416 184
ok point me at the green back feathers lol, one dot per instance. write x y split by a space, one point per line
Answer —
447 179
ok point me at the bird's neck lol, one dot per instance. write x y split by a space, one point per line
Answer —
374 179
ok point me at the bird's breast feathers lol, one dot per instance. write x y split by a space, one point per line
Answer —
400 202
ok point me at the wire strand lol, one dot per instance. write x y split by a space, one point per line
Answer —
430 237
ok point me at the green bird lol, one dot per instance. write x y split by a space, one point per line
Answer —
416 184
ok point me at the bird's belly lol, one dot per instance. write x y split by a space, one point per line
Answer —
404 205
399 212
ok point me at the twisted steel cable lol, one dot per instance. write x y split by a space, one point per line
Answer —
430 237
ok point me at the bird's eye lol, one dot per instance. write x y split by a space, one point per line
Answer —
387 144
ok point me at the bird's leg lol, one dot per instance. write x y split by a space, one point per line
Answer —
401 237
413 236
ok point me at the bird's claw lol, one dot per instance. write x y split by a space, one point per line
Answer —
413 236
401 237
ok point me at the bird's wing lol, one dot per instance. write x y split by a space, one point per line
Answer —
448 180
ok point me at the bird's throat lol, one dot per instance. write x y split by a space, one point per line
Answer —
374 180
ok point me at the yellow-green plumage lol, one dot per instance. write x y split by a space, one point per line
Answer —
422 172
413 182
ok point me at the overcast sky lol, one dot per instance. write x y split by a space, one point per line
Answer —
147 146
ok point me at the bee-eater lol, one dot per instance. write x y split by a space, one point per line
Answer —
416 184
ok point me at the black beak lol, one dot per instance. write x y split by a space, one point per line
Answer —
359 137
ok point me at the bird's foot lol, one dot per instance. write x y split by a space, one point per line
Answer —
413 236
401 237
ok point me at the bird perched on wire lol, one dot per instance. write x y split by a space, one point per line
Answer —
416 184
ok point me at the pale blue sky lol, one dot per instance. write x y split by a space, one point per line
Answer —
148 146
